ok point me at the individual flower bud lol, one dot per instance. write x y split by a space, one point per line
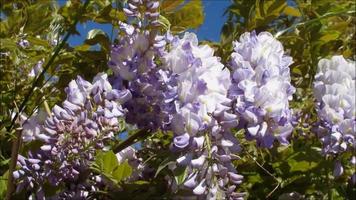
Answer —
182 141
198 162
200 189
338 169
191 181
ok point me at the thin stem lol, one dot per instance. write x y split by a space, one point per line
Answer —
269 194
48 110
279 181
132 139
330 194
264 169
14 152
208 145
332 14
45 68
39 103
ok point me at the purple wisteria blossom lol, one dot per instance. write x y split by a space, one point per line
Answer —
144 11
24 43
335 90
261 88
133 61
201 119
69 138
184 90
37 69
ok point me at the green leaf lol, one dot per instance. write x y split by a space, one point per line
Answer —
291 11
296 70
123 171
226 33
106 162
264 13
92 34
117 15
83 47
3 185
277 7
38 17
329 36
164 164
169 5
38 41
256 178
301 166
180 174
164 22
8 43
97 36
189 16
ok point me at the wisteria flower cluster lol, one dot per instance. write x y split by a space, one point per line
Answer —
70 136
134 67
201 121
335 90
261 88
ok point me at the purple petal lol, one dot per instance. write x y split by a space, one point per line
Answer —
200 189
181 141
338 169
191 182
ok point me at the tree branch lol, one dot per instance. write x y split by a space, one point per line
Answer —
132 139
16 143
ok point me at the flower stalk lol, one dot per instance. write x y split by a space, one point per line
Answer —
16 143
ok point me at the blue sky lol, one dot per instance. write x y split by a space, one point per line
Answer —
214 19
210 30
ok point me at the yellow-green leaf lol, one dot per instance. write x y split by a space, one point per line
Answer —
3 186
164 22
189 16
329 36
106 162
291 11
170 5
96 36
123 171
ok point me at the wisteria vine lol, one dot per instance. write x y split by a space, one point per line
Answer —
171 83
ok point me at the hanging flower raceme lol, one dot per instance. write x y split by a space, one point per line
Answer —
70 137
261 87
133 61
201 120
334 90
